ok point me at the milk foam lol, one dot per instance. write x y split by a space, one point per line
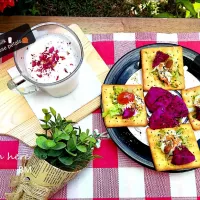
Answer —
63 67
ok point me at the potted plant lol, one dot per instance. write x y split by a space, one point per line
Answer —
61 153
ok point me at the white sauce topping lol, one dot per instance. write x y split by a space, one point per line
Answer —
164 141
163 72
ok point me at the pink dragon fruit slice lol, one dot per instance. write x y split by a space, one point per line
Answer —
162 101
182 155
160 57
162 119
157 97
177 107
128 112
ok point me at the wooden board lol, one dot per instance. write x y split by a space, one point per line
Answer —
16 117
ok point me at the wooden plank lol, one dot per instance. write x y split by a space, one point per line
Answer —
26 131
108 25
91 106
12 105
13 113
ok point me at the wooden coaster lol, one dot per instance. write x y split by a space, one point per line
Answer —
16 117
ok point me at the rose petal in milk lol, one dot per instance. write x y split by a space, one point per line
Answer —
51 46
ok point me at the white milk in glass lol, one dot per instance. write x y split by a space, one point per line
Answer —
51 59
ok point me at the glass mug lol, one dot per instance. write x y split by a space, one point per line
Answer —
25 84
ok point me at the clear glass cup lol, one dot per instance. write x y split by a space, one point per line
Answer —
25 84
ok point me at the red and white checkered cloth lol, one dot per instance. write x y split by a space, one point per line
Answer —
114 176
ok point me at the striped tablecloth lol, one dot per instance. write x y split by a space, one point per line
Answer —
114 176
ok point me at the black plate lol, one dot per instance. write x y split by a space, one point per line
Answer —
122 70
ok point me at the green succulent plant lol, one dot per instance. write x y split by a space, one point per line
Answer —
64 145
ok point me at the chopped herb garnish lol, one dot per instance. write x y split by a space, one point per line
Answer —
194 116
158 144
154 72
115 110
174 85
179 131
117 90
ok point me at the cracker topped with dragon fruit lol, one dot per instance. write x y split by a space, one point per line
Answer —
163 67
174 148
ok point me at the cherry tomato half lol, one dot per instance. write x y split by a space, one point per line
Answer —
125 97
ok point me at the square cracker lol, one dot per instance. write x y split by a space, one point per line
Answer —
160 160
151 80
188 97
117 121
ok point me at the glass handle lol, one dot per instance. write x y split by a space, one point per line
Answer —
21 85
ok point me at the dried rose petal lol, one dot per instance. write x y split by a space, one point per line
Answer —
45 66
45 57
160 57
41 57
51 50
62 57
33 63
38 63
47 61
57 57
53 57
50 59
39 75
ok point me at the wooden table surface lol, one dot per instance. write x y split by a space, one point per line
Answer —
108 25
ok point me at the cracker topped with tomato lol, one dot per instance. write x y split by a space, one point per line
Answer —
123 105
